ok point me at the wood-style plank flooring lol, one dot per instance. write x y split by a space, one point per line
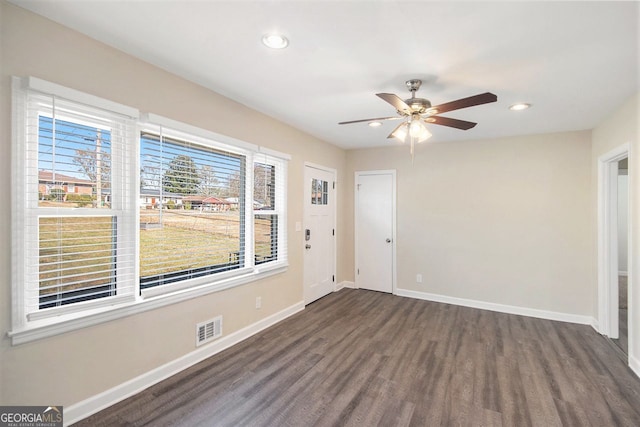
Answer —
362 358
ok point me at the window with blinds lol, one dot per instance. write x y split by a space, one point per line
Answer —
76 247
109 210
192 210
265 213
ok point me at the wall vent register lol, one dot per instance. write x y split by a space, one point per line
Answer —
208 331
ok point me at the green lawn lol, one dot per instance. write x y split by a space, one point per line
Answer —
78 252
75 252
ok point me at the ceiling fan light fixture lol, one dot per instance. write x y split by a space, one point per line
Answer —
519 106
401 132
416 128
424 135
275 41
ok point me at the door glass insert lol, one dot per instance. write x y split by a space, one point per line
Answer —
319 192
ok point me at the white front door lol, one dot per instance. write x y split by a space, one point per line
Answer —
375 230
319 232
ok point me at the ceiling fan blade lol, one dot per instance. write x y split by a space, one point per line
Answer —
370 120
453 123
483 98
395 100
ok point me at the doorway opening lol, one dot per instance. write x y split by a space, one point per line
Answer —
613 247
623 256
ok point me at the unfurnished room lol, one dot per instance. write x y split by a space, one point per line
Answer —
319 213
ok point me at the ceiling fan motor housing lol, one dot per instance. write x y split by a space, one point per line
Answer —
418 105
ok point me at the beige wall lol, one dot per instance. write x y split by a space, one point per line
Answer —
622 127
504 221
74 366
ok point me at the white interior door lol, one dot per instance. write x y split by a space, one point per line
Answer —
319 232
375 230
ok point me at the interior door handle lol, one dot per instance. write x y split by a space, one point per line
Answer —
388 240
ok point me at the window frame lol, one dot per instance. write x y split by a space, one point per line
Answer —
279 211
29 326
170 129
25 203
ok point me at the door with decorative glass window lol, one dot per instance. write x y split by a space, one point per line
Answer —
319 232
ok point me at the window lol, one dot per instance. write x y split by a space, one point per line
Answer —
197 225
319 192
200 217
267 206
71 241
110 211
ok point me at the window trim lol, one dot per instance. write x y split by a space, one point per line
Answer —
41 324
70 322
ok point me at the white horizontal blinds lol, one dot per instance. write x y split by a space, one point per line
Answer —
269 204
77 259
192 208
75 195
74 161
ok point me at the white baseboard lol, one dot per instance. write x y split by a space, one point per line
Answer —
502 308
87 407
346 284
595 325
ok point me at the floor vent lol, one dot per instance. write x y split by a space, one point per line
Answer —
208 331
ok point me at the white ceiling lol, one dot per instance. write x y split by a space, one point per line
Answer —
574 61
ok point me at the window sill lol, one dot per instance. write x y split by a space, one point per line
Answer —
49 327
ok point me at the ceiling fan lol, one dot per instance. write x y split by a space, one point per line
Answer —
417 111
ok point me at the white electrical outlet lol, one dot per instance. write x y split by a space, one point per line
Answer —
258 302
418 278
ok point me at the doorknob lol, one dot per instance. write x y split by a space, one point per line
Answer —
307 246
388 240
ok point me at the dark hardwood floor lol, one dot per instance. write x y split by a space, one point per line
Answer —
364 358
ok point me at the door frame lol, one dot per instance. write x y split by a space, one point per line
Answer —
356 232
608 243
334 261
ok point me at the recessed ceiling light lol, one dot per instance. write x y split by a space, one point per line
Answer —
375 124
519 106
275 41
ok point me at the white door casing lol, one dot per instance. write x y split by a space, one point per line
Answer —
375 230
607 242
319 224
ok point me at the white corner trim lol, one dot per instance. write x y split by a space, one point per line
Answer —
87 407
501 308
595 325
634 364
